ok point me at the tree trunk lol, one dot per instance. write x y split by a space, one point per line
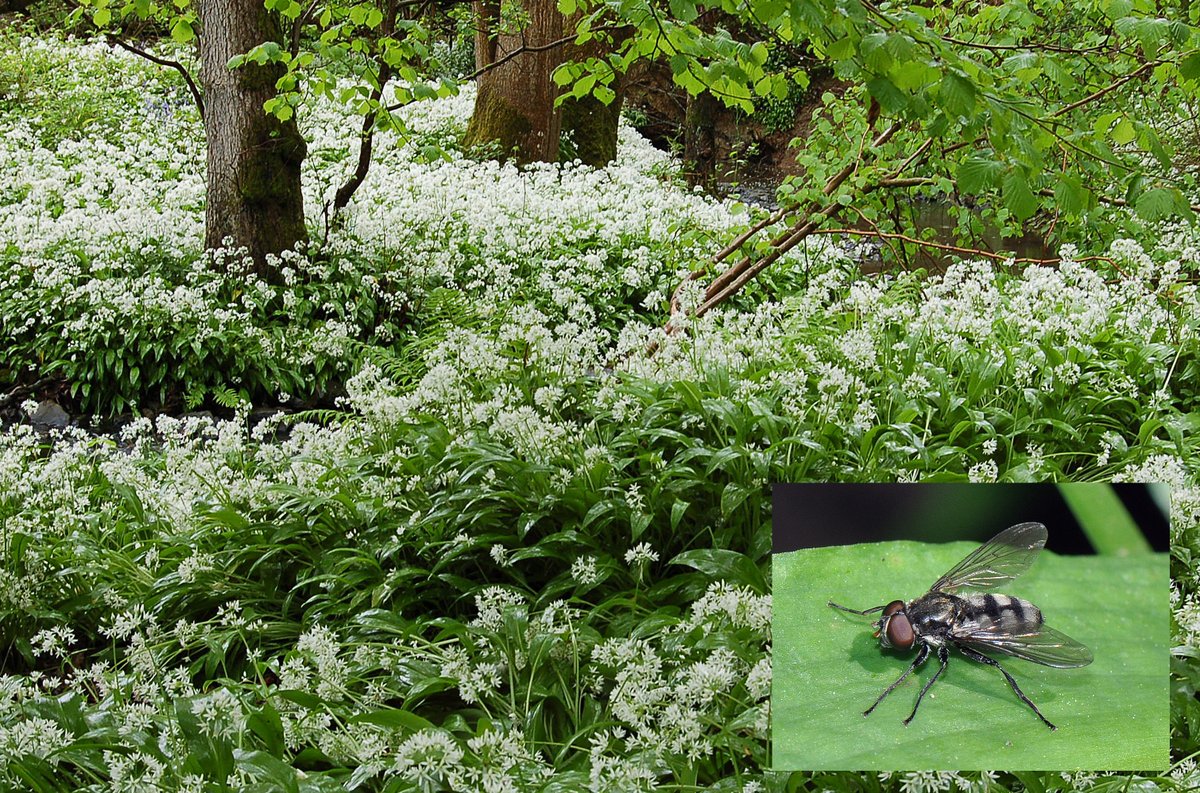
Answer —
254 197
514 106
700 140
588 123
591 126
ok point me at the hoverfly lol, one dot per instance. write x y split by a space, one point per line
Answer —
971 623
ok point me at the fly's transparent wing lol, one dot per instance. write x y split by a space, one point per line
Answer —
1000 559
1046 646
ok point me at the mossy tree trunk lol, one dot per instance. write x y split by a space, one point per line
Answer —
590 124
700 140
254 197
514 106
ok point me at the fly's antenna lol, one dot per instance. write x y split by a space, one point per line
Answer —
856 611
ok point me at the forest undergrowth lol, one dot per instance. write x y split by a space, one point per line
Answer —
521 552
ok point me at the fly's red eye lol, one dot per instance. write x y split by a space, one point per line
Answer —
884 626
899 632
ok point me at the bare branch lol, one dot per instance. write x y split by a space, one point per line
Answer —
1141 71
298 25
1029 46
508 56
722 284
21 390
1114 202
738 275
176 65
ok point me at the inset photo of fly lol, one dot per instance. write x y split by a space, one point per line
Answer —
975 624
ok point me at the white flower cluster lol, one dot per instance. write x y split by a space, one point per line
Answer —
942 781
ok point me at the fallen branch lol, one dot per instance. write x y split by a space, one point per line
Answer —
23 390
738 275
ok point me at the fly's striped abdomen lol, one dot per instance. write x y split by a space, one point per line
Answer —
1002 613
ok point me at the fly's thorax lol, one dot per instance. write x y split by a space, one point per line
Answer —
933 614
1003 613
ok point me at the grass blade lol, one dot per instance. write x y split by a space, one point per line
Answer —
1103 518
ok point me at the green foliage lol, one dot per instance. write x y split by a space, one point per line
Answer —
529 551
1014 97
366 55
778 115
366 575
1023 116
292 339
35 85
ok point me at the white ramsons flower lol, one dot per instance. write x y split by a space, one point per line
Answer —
35 736
986 471
55 641
220 713
127 623
735 606
491 604
583 570
641 554
429 757
634 497
193 566
758 682
931 782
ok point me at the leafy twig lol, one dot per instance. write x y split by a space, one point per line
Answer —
941 246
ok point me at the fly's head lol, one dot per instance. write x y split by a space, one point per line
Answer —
894 628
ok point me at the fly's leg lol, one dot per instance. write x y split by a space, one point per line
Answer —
983 659
944 657
922 654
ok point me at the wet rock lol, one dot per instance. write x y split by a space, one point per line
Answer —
50 415
761 194
207 415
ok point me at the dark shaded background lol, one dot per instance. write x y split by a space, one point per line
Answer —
817 515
